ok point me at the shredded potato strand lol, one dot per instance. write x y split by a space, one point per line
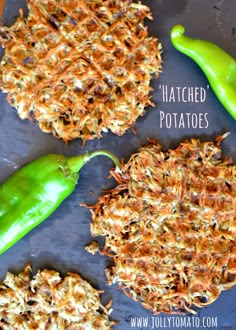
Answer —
170 225
80 68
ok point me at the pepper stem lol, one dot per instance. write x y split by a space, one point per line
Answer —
76 163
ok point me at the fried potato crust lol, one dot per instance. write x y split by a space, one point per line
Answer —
80 68
170 226
48 301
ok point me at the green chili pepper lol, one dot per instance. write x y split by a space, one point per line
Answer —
35 191
218 66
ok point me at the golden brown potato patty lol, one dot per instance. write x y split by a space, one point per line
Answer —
170 226
80 68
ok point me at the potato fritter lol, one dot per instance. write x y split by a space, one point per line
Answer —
48 301
80 68
170 226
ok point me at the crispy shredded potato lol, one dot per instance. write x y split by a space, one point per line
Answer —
80 67
47 301
92 248
170 226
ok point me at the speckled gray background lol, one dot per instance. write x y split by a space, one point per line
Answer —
59 242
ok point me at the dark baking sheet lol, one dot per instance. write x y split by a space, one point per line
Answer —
58 243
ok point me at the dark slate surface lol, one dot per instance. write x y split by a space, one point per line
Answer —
59 242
